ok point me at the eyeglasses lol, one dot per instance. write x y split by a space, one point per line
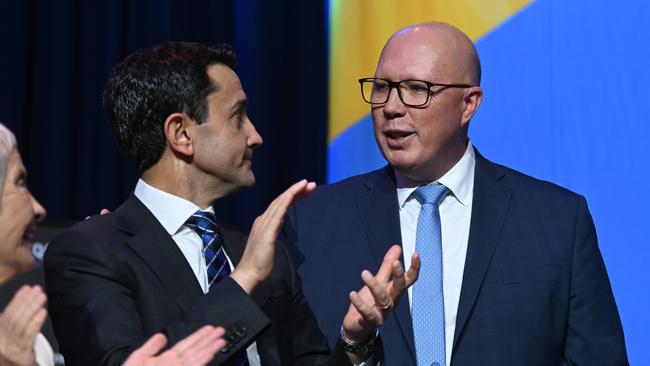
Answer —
413 93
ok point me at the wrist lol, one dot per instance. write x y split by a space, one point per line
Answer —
244 279
361 349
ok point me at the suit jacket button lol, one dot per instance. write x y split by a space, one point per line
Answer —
240 331
226 348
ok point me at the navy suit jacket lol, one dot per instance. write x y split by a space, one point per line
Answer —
534 291
112 281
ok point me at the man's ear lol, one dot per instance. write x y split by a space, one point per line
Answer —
471 101
179 133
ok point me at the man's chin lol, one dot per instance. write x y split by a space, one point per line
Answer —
401 163
246 182
249 180
412 174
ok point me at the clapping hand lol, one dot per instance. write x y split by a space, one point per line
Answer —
197 349
257 260
19 324
371 306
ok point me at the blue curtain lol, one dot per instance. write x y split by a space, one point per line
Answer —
57 56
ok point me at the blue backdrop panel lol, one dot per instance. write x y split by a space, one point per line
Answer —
354 151
565 85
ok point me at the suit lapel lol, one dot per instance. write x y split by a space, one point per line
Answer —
379 212
160 253
489 208
233 241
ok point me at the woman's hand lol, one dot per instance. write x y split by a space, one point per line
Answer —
19 324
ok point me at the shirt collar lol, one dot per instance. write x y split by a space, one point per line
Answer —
459 180
170 210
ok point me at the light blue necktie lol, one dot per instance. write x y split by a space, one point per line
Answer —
428 299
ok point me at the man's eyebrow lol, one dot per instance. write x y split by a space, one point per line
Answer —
238 106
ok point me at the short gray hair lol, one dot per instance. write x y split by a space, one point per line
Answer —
7 145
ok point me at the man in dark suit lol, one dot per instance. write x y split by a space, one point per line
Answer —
515 276
161 261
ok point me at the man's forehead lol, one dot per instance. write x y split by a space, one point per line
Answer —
409 62
226 82
223 76
420 53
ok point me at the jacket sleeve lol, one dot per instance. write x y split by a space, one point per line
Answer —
594 332
96 304
338 356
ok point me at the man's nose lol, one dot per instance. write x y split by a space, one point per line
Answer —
394 106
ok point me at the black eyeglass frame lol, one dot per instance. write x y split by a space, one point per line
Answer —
396 84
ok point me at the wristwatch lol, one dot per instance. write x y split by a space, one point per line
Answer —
363 350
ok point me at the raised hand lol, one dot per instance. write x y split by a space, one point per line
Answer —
19 324
197 349
257 260
371 306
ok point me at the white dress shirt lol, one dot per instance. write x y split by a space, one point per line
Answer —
455 215
172 212
43 351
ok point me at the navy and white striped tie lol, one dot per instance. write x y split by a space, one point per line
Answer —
204 223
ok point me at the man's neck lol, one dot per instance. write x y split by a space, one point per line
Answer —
406 179
185 185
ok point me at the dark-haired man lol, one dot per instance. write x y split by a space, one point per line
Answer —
511 271
163 261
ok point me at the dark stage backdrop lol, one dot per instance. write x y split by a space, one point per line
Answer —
57 56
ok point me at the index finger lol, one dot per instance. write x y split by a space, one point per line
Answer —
414 270
150 348
202 353
297 191
399 282
386 269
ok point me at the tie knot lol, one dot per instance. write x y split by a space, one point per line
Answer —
202 222
430 194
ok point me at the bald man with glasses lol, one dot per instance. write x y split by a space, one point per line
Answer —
511 271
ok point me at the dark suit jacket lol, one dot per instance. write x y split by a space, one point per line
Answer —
113 281
535 290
